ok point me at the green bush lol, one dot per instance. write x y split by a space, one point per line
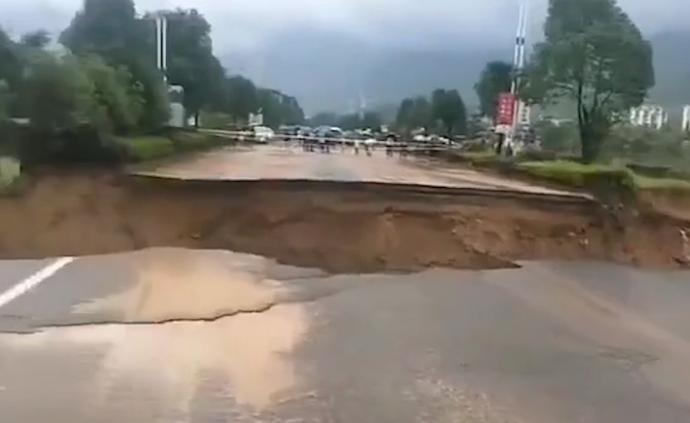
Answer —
82 144
147 147
119 105
579 175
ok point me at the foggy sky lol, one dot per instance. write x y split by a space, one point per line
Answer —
247 24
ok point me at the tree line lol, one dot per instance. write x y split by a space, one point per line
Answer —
593 57
444 113
105 78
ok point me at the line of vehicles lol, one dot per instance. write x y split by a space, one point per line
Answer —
335 135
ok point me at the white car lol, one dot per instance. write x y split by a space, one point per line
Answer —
263 134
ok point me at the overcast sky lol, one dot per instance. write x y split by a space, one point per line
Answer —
246 24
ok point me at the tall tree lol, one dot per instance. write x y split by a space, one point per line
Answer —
108 28
494 79
594 55
240 97
448 107
191 62
36 39
11 63
279 109
414 113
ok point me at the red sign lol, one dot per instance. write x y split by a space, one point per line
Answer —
506 109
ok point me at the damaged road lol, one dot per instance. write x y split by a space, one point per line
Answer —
202 336
326 289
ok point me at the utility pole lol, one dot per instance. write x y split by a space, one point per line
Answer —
520 110
175 92
162 43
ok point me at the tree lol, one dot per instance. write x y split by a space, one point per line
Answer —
191 62
495 79
594 55
279 109
119 101
111 30
11 63
108 28
59 95
448 107
414 113
36 39
240 97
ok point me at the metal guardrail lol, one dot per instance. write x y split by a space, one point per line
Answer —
409 146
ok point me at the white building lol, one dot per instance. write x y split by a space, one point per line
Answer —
649 116
524 114
686 119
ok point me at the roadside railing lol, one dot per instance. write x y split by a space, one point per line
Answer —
407 146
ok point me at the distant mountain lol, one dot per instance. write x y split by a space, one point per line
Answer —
329 71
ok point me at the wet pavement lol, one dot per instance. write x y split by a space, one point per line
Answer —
289 162
172 335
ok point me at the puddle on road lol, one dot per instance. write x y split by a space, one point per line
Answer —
173 362
175 284
242 360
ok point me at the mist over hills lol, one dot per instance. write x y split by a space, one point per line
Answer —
332 71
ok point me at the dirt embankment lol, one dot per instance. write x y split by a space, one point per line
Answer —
337 227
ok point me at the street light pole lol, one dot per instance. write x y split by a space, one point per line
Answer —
162 43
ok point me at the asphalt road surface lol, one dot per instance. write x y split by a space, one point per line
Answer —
187 336
288 162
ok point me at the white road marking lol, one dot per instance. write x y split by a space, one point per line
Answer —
27 284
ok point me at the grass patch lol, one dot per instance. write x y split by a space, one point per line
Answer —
662 184
578 175
144 148
147 147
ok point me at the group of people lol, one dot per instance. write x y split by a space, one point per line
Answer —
325 145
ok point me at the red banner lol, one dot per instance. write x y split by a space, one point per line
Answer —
506 109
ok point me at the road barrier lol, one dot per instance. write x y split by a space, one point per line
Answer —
403 146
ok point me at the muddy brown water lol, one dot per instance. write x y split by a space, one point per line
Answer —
346 227
178 335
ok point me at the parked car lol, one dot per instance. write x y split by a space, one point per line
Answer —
262 134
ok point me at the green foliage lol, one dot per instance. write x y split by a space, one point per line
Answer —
149 83
279 109
448 107
144 148
108 28
496 78
191 62
4 100
594 55
579 175
11 64
414 113
111 30
119 101
58 94
560 138
147 147
36 39
240 97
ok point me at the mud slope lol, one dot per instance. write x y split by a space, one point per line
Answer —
336 227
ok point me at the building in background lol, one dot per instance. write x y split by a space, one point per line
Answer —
686 119
649 116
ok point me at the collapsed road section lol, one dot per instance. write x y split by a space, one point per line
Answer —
339 227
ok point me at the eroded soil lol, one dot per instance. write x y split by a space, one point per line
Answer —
338 227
